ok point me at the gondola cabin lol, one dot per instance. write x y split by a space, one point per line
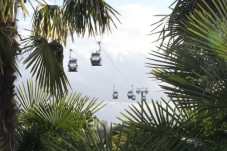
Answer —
130 94
133 97
115 95
96 59
72 65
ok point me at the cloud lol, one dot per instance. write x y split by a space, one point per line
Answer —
131 37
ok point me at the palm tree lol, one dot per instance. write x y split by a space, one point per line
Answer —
162 126
51 24
47 123
192 64
195 67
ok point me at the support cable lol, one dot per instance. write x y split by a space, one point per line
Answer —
116 68
130 68
112 63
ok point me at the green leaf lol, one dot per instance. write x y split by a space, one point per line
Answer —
46 64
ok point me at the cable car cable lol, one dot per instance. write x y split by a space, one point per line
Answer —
135 75
112 62
130 68
132 95
116 68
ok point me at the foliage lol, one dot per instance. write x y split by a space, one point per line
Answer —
44 121
46 62
161 126
80 17
195 68
7 32
192 66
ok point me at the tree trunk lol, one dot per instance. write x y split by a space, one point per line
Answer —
7 108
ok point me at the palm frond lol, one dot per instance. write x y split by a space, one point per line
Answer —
144 141
93 17
44 119
173 29
154 114
56 23
7 11
29 95
210 28
91 139
46 63
48 22
195 70
23 7
192 67
69 112
165 126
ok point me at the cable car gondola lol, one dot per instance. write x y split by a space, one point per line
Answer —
96 59
130 94
115 94
133 97
72 65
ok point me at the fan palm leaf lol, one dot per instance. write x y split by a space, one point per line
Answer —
29 95
7 10
173 32
48 21
45 60
43 118
80 16
161 126
193 68
89 16
196 68
92 139
210 27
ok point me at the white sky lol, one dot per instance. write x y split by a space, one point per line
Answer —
124 54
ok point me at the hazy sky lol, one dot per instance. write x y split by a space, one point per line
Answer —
124 53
